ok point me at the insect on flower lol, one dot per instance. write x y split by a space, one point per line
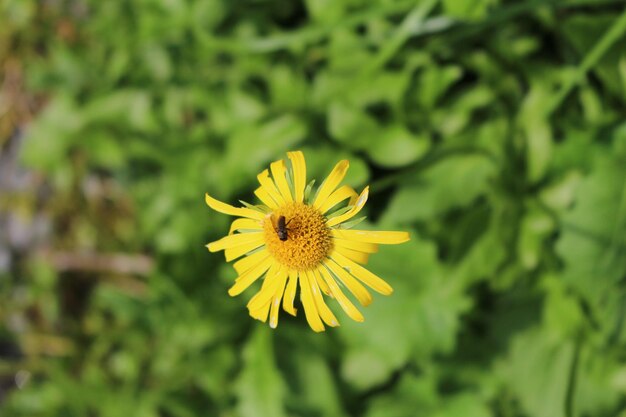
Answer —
318 254
281 228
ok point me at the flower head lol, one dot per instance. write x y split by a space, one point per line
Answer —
301 238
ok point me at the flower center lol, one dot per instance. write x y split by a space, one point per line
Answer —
307 239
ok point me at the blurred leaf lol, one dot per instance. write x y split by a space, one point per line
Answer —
619 143
592 243
560 195
207 14
387 87
562 315
454 182
130 107
105 150
158 61
410 394
212 371
50 138
254 145
347 52
583 32
537 371
397 147
426 303
600 374
318 385
288 88
434 82
537 130
326 11
464 405
350 126
260 388
535 227
452 120
473 9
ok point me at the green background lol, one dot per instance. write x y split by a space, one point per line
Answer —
493 131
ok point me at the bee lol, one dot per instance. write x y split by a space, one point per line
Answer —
281 228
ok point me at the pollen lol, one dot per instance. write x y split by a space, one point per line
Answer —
308 238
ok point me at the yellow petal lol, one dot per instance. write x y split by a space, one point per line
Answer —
232 241
278 173
231 210
331 182
355 287
367 277
354 245
250 261
261 312
265 198
253 301
298 165
337 196
244 224
274 278
352 212
290 293
356 256
323 286
237 251
344 302
370 236
327 315
268 185
247 278
310 309
274 309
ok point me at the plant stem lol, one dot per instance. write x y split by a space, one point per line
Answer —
612 35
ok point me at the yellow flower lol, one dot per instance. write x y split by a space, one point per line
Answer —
299 237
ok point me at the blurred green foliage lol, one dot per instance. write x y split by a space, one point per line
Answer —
493 130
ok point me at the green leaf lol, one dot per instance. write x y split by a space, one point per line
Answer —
584 32
537 130
560 195
424 300
347 53
410 394
132 107
464 405
252 146
434 82
260 388
319 390
212 372
470 9
386 87
397 147
52 134
536 370
593 242
158 62
535 227
326 11
351 126
563 315
288 88
454 182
